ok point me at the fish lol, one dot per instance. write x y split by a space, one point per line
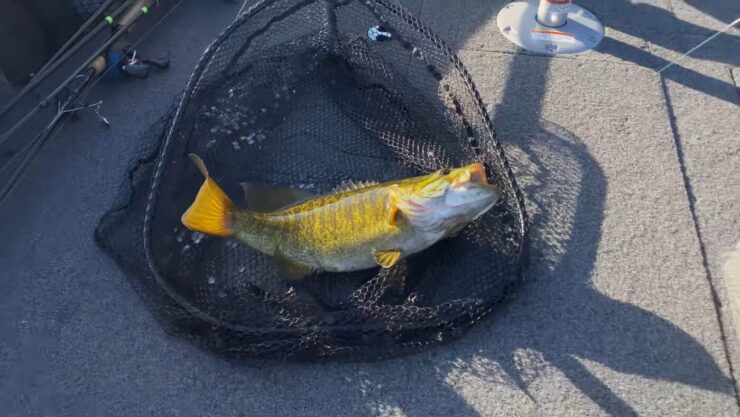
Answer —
355 227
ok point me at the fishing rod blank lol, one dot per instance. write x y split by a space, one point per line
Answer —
140 8
96 68
88 23
51 66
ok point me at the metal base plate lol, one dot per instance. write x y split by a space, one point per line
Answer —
518 22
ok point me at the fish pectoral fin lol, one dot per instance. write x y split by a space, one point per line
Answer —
387 258
291 269
264 198
392 215
393 210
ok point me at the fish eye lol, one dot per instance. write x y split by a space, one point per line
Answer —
444 171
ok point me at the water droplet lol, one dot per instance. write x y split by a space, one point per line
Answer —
277 96
242 268
222 293
235 145
263 110
197 237
210 143
211 280
214 129
185 248
261 136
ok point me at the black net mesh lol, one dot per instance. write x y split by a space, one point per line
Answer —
296 93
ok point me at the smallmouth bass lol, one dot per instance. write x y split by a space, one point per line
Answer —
358 226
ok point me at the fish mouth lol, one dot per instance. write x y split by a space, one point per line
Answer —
487 196
493 198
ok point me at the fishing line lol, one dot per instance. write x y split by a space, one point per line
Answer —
704 42
244 6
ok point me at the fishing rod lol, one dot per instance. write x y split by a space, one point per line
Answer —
83 84
82 30
137 9
96 67
62 56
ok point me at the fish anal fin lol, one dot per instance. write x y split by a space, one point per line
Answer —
291 269
387 258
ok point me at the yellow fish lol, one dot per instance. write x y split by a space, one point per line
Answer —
357 227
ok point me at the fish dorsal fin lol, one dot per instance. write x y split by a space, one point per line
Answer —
264 199
387 258
349 185
291 269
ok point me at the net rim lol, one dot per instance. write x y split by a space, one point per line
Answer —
184 100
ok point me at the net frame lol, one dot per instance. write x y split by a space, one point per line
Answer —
404 328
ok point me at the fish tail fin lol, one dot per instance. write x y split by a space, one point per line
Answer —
212 211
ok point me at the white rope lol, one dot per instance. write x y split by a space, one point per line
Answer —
719 32
244 6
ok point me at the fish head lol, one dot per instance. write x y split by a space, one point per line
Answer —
446 199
